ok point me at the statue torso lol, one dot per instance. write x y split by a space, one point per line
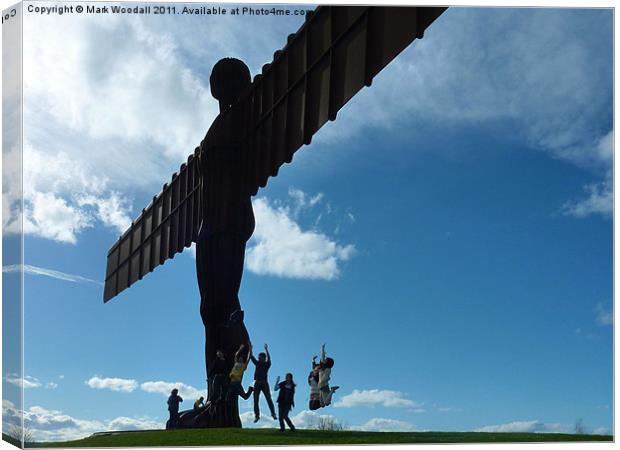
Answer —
225 200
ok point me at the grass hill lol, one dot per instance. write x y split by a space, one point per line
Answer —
250 436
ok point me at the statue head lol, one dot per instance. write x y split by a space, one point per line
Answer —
230 78
262 356
329 363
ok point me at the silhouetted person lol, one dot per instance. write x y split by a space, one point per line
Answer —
286 400
218 372
325 371
173 408
261 383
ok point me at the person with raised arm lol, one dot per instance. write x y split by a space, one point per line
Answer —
286 400
261 383
173 408
325 371
242 359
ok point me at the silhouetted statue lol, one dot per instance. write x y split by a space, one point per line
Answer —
261 124
227 218
227 221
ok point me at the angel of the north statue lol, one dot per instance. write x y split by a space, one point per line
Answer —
262 123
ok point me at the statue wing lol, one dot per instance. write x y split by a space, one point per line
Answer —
336 52
165 227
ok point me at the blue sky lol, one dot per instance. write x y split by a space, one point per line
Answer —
449 236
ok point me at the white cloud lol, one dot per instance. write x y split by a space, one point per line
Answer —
527 426
114 77
10 413
51 217
599 196
603 316
302 201
11 180
99 118
34 270
132 423
112 211
310 419
304 419
114 384
52 425
381 424
27 382
247 420
51 385
156 387
599 200
62 197
375 397
164 388
280 247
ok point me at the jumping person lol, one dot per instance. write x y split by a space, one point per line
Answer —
173 408
313 381
286 400
236 374
261 383
325 370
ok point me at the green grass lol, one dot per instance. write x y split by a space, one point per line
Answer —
228 436
11 440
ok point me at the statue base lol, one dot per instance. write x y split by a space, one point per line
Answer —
220 414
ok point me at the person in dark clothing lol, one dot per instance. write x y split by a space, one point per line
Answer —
218 375
261 383
173 408
286 400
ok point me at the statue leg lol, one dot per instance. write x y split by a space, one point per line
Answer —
219 267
